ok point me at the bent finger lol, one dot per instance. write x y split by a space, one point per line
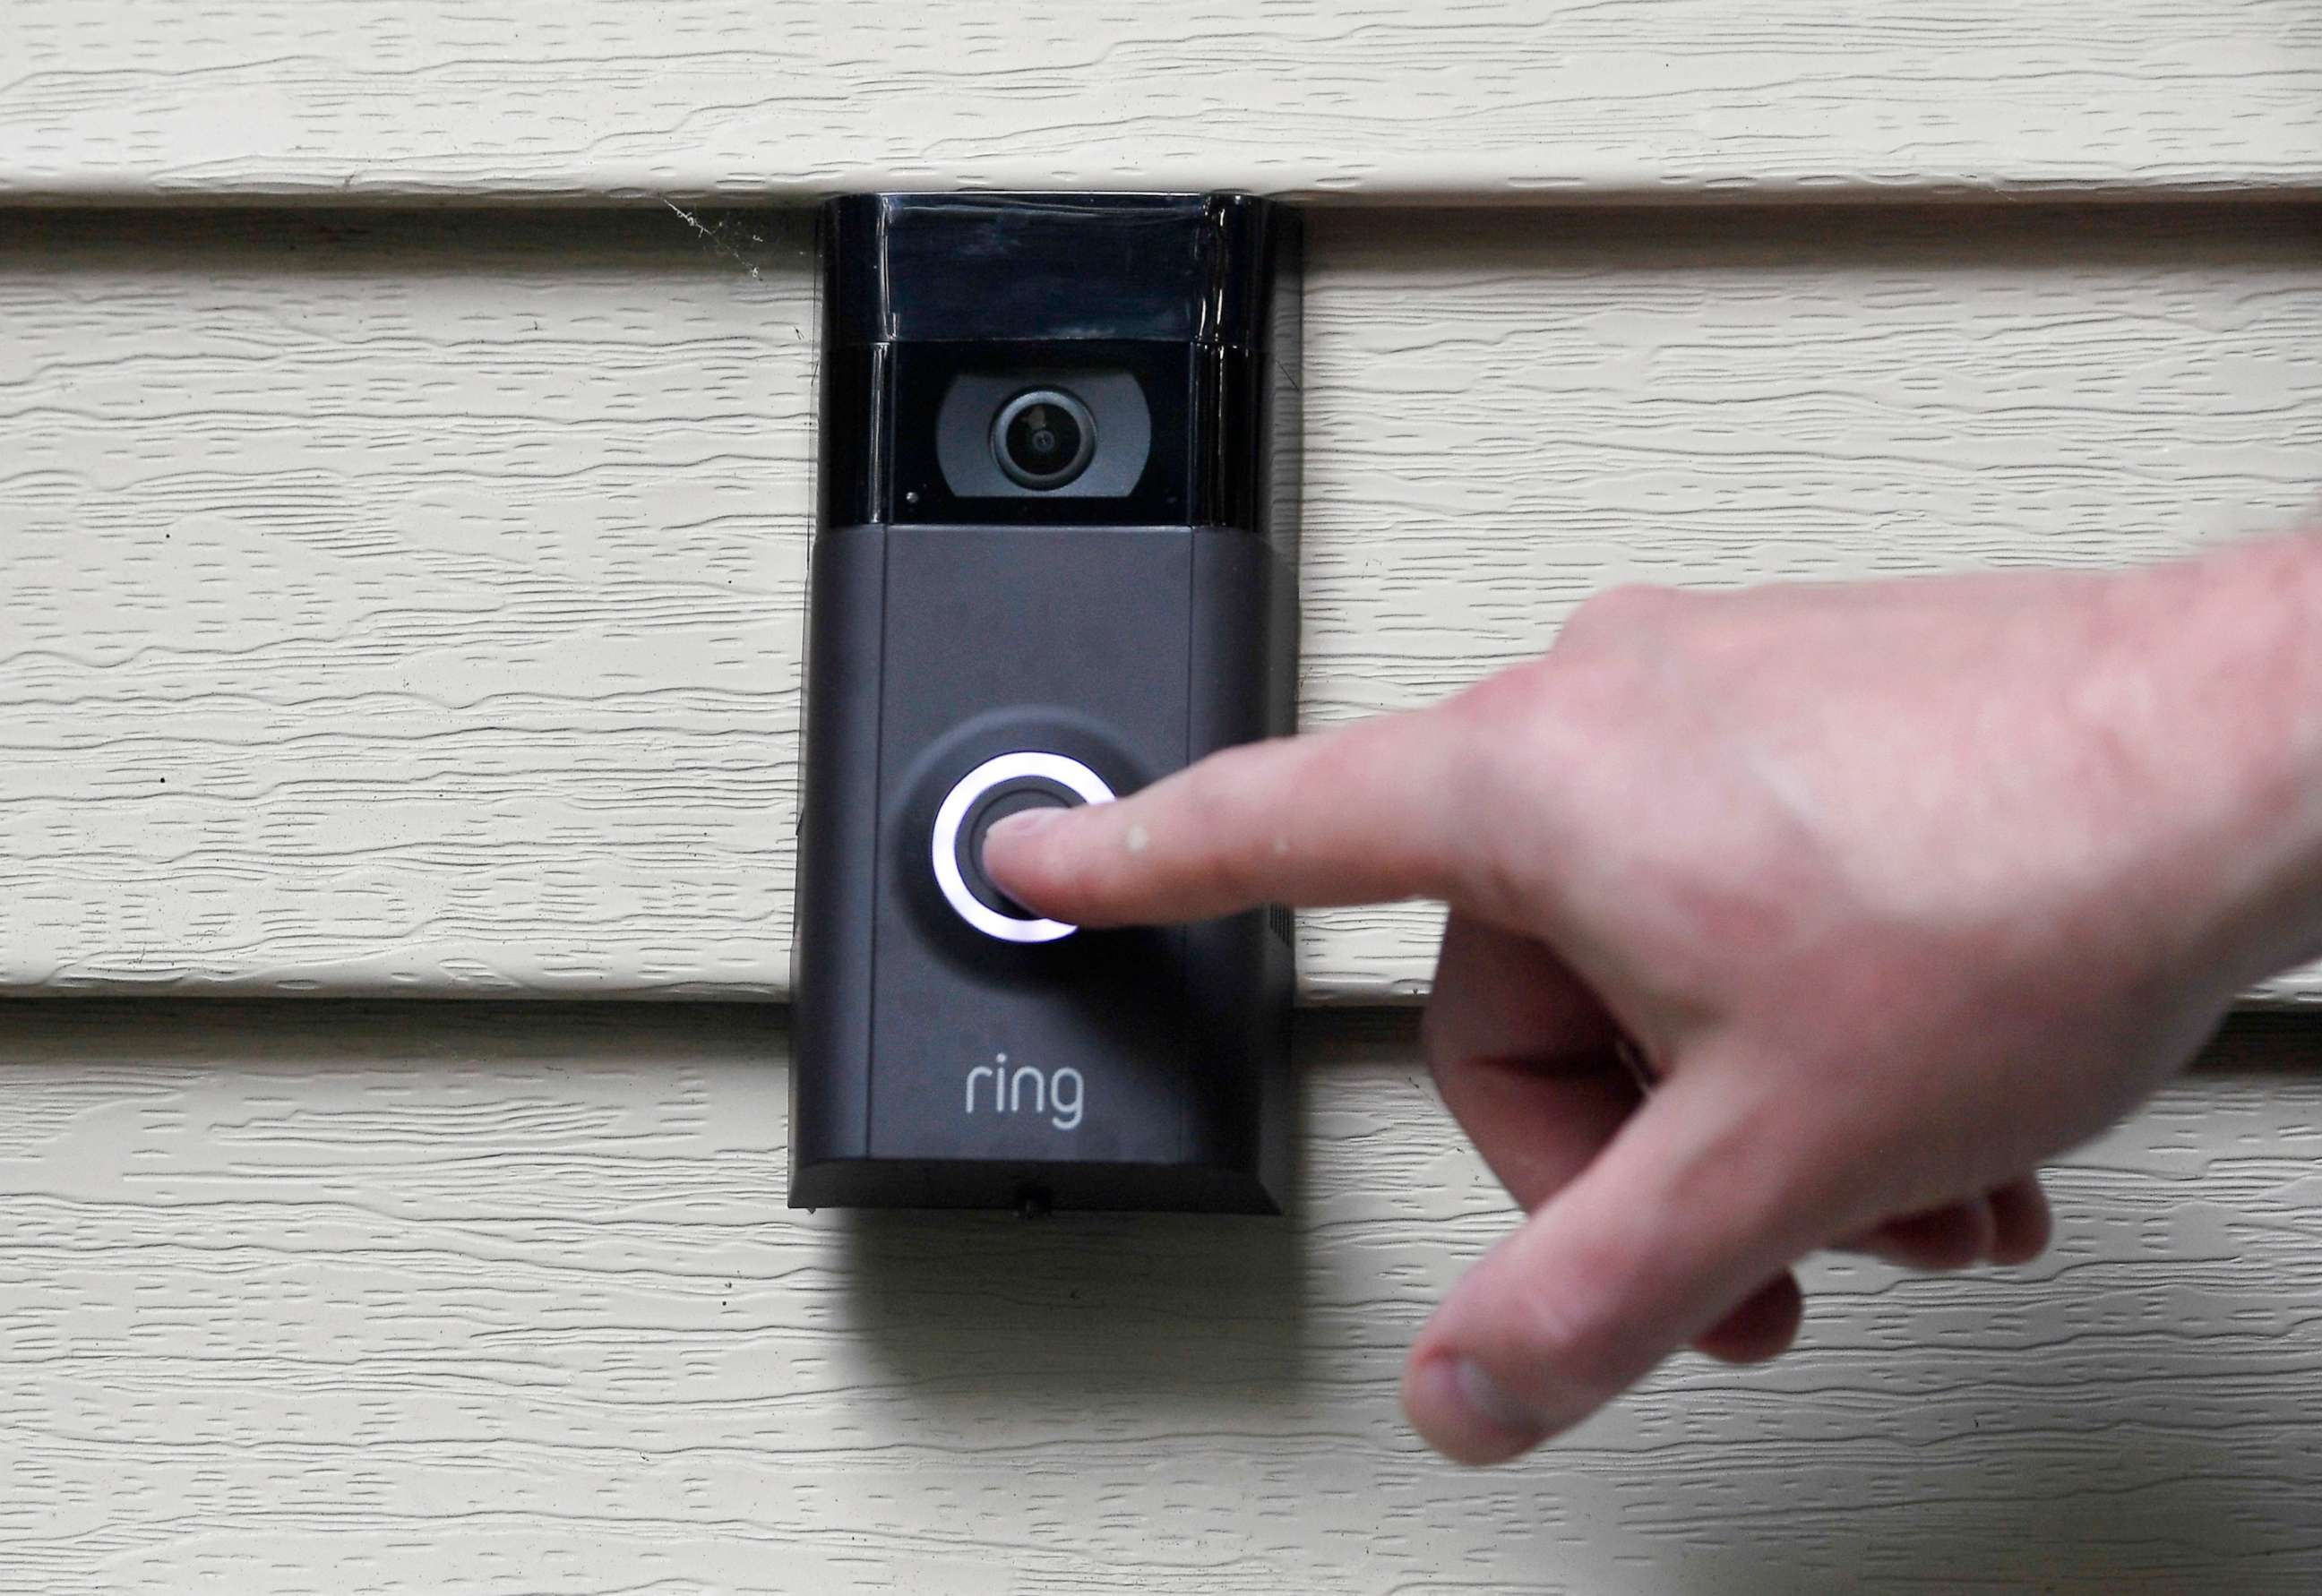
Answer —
1536 1128
1954 1236
1692 1210
1503 996
1523 1056
1763 1325
2023 1222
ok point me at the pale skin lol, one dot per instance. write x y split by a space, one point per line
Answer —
1892 892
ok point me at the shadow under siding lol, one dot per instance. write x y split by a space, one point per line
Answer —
2255 233
775 246
295 1033
2027 237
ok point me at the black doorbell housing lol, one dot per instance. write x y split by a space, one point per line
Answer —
1055 561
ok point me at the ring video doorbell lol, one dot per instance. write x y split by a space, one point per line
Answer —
1054 561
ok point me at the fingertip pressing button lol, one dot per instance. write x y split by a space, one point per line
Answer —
1008 784
1010 798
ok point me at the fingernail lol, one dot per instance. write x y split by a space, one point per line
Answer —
1469 1417
1493 1402
1023 825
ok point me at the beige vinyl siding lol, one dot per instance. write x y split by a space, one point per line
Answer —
1490 101
411 603
502 1300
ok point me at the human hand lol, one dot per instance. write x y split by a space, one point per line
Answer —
1891 893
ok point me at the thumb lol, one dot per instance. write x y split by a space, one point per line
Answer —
1682 1218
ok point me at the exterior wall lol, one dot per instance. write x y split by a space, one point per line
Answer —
408 602
1494 100
502 1300
400 593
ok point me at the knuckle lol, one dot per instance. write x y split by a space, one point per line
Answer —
1505 698
1485 727
1437 1045
1619 611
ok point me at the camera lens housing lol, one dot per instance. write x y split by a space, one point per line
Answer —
1044 438
971 450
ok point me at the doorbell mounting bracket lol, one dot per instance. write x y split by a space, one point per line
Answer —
1055 559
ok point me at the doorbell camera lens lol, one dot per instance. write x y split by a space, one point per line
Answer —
1009 427
1044 439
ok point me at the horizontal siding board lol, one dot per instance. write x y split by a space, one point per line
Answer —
502 1298
410 603
348 101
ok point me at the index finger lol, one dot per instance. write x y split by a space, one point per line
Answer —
1365 813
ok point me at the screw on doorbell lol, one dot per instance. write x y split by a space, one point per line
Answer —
996 788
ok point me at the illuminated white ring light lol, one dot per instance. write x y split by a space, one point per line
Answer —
1065 773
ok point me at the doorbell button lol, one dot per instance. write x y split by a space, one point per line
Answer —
1044 438
996 788
1010 798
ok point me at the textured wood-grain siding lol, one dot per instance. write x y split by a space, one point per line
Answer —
406 603
492 1299
348 100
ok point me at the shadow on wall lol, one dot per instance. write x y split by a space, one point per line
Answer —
774 247
1933 239
1203 1321
1083 1316
958 1314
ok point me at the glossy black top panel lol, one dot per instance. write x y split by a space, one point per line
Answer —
995 268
